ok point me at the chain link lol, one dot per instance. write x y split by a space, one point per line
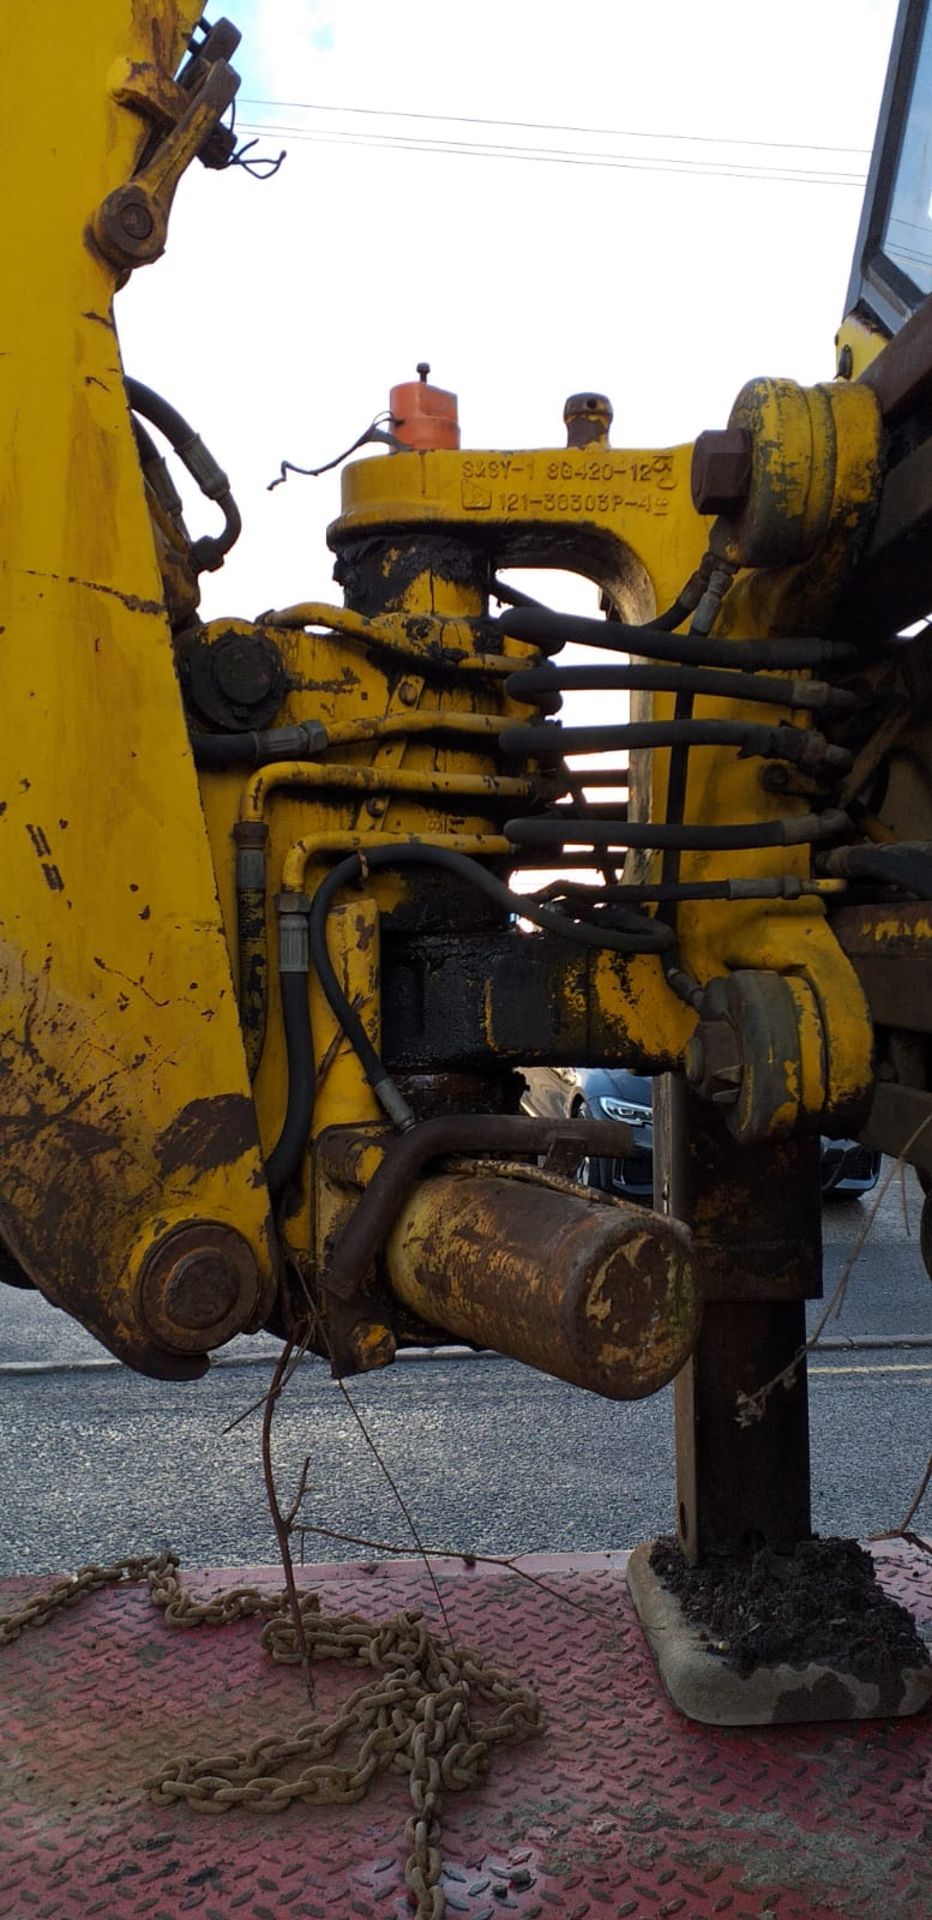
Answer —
413 1716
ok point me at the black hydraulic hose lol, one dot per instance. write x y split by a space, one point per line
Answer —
176 429
641 935
510 596
302 742
207 553
684 732
716 682
806 748
296 1127
551 631
226 749
145 445
781 887
513 596
551 834
682 607
594 810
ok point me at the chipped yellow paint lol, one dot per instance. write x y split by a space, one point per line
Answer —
888 932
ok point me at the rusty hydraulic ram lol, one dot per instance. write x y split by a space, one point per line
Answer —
611 1303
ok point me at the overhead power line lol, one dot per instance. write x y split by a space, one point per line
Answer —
550 126
560 156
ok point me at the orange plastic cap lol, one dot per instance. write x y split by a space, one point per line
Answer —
424 417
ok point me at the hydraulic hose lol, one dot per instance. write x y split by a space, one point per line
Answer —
552 631
780 887
773 690
548 835
285 1157
207 554
802 748
691 665
300 742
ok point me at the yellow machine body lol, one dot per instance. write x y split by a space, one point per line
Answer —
150 890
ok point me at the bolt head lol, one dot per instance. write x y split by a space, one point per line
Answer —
243 669
721 471
201 1290
136 220
372 1345
198 1286
587 418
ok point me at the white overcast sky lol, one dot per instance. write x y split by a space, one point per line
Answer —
663 275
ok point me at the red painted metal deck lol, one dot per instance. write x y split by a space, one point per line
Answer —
621 1807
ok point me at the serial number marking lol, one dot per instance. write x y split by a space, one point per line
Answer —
657 471
579 503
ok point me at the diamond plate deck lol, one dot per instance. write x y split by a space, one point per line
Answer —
621 1808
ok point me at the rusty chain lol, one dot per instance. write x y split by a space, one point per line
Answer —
412 1717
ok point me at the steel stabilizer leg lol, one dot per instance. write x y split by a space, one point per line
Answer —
755 1213
742 1437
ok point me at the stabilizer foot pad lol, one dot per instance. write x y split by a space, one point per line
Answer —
704 1686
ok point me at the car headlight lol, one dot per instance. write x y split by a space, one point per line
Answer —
628 1110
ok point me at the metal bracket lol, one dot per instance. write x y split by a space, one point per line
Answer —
131 224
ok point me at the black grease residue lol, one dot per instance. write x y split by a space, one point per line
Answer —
208 1133
822 1604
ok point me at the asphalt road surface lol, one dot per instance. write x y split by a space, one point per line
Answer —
96 1463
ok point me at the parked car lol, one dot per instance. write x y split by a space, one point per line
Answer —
612 1093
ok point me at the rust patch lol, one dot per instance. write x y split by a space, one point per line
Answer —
208 1133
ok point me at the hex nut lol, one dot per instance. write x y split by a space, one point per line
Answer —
721 471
